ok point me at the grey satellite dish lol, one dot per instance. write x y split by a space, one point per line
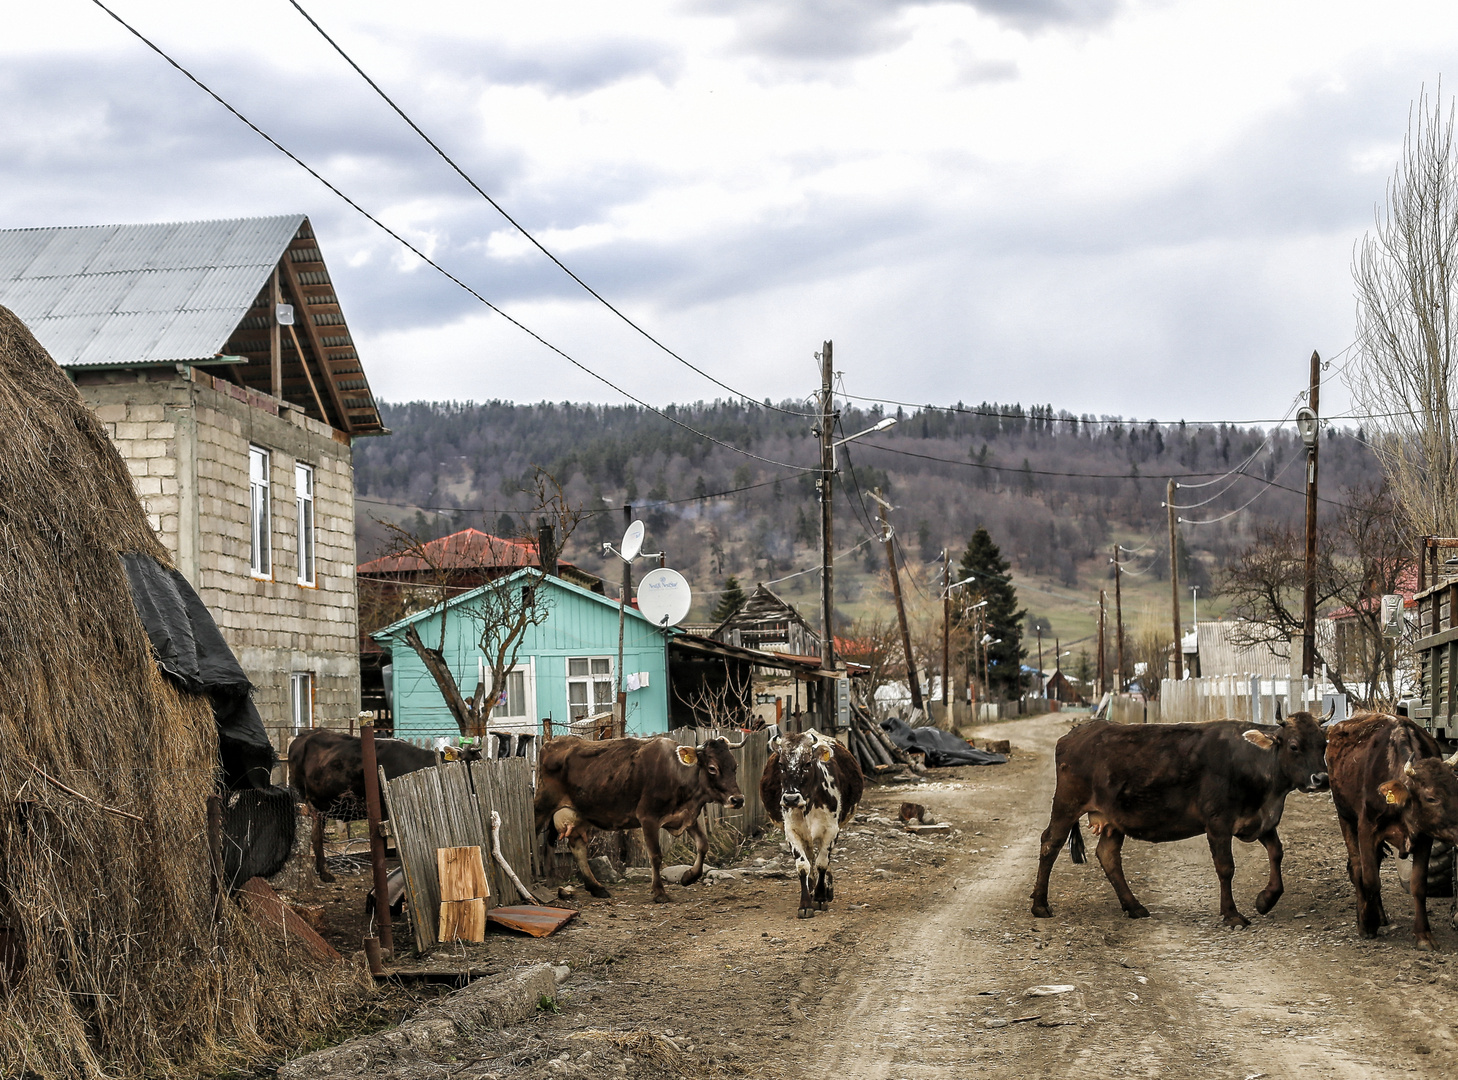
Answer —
664 597
632 542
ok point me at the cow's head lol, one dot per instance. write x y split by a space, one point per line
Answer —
1299 744
718 771
1427 796
804 764
460 753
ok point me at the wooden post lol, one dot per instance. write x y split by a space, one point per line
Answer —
620 706
1174 577
1308 608
275 335
384 930
215 854
1118 625
911 680
947 634
827 516
1103 646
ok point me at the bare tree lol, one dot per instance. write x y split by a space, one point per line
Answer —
506 606
1405 373
874 642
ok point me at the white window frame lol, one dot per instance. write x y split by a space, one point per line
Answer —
301 700
260 513
304 506
527 721
593 705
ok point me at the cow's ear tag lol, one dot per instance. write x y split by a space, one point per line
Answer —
826 752
1258 738
688 755
1395 793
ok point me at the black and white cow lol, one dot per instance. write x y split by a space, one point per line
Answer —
811 785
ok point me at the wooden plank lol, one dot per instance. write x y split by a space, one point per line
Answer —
266 906
532 919
461 874
462 920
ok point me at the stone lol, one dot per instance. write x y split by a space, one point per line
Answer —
602 869
673 875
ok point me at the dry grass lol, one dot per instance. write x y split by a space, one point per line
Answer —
658 1049
125 972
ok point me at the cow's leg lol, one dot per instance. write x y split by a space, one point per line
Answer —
1274 885
1370 913
1110 855
1225 870
1422 847
577 844
807 901
318 838
651 828
701 848
1060 824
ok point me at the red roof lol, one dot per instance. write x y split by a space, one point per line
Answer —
469 549
1407 581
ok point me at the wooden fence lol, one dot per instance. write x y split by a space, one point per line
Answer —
450 806
1234 697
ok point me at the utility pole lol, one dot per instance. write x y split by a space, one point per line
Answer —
1042 684
1103 647
1118 625
1313 444
620 721
827 519
1174 577
275 338
911 681
946 634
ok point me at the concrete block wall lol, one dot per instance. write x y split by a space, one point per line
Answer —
185 437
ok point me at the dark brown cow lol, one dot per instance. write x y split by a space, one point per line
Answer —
811 785
1391 786
1166 782
326 770
633 783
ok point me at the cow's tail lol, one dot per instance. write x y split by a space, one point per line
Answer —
1075 844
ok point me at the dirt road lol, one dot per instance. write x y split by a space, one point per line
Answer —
922 966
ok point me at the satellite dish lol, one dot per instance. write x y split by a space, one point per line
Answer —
632 542
664 597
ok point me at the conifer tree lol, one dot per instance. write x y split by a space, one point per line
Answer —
1003 620
729 600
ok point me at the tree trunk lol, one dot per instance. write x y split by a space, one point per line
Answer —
435 663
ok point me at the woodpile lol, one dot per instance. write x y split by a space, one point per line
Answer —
880 759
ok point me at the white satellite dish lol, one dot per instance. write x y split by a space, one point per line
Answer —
664 597
632 542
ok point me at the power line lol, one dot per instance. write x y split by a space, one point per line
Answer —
518 225
420 254
1242 506
1037 472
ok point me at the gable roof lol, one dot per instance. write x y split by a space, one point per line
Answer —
465 597
471 550
763 606
107 296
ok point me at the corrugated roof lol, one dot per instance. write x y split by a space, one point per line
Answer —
104 295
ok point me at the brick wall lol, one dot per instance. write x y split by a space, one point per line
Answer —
185 438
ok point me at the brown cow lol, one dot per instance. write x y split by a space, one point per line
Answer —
1391 786
633 783
811 785
326 769
1226 779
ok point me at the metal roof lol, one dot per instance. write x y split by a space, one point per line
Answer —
105 295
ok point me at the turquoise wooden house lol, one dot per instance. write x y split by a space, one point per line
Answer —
564 670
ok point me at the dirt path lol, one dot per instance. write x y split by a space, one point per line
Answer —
920 969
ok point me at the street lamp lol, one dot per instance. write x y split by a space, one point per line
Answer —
1307 425
879 425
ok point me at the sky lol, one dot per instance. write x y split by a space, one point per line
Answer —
1138 208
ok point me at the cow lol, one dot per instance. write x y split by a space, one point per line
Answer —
1168 782
628 783
326 770
811 785
1391 786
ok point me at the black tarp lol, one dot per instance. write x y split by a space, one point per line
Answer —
190 650
942 748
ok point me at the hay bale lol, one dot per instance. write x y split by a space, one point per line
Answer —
104 871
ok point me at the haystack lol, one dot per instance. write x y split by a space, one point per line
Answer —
113 957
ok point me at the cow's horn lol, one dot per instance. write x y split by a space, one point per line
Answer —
736 745
1408 770
1453 761
1329 712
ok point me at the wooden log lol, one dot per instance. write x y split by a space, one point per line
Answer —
462 920
462 873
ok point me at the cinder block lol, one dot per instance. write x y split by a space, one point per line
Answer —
131 429
163 430
110 414
162 466
147 485
149 448
147 414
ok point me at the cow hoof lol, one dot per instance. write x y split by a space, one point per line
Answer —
326 877
1266 901
1042 911
806 913
599 892
689 878
1425 944
662 898
1138 911
1364 932
822 905
1237 921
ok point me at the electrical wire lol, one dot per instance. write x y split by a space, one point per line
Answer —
817 569
1242 506
1035 472
519 226
420 254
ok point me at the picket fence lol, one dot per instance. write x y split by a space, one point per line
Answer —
1235 697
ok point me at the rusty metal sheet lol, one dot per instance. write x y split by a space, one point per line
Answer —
531 919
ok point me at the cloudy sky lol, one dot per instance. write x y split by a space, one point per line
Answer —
1143 208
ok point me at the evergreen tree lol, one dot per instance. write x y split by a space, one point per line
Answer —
1002 618
729 600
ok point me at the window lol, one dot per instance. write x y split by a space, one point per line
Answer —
304 500
260 549
589 686
301 699
517 701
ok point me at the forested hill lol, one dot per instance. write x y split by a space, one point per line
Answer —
1052 488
